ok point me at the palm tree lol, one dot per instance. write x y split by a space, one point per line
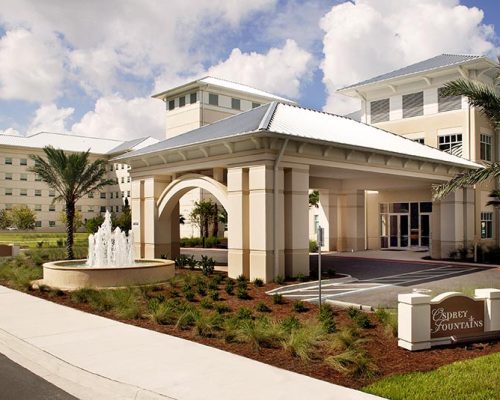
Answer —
486 99
495 195
72 177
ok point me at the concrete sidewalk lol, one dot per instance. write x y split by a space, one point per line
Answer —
95 358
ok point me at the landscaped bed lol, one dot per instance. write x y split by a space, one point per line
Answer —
345 347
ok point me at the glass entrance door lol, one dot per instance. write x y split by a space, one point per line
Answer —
425 230
398 230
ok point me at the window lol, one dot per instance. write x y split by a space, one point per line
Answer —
103 209
37 178
24 177
316 224
182 101
111 195
448 103
193 98
419 140
123 194
451 144
38 224
38 207
123 166
23 192
213 99
413 105
171 105
38 193
255 105
486 225
123 179
52 207
128 179
8 192
236 104
117 194
8 176
128 193
90 209
52 223
117 209
485 149
103 195
79 208
8 161
52 193
23 161
91 195
379 110
8 206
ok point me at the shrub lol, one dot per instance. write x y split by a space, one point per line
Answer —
290 323
242 284
277 298
189 295
60 242
221 308
207 326
206 303
326 317
313 246
229 287
218 279
259 333
280 279
388 320
301 278
347 338
258 282
244 313
182 260
201 290
241 278
186 319
242 293
492 255
353 362
213 284
299 306
163 313
211 241
124 302
214 295
359 317
262 307
207 265
304 342
39 244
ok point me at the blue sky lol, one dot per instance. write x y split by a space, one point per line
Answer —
90 67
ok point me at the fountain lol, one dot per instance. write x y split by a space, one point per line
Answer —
110 263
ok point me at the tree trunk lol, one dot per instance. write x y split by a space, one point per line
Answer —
215 230
70 219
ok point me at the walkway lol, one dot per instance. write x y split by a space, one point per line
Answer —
96 358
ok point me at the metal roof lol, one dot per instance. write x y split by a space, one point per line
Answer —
70 142
303 123
223 84
443 60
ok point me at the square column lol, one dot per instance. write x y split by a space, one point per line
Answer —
137 210
329 218
238 222
161 232
262 223
296 222
352 220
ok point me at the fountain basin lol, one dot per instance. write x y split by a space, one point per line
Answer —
72 275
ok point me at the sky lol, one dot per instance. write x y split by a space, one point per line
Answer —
90 67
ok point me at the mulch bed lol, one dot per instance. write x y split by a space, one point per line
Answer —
382 347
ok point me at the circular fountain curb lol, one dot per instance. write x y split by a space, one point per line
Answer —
65 276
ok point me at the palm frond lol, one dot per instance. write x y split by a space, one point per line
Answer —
473 177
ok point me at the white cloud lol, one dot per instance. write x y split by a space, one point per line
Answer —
279 71
117 118
50 118
10 131
31 68
370 37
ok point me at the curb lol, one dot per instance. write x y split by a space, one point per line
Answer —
76 381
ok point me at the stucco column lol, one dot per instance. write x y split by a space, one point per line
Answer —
161 233
137 210
296 221
238 255
352 232
262 223
328 207
456 221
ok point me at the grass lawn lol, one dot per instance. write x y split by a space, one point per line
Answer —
476 379
32 239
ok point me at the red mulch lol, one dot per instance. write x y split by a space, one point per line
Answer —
389 358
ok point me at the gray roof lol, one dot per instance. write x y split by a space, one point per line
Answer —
231 126
126 146
355 115
442 60
302 124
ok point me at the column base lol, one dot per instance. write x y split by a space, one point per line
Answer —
414 346
296 262
238 263
162 250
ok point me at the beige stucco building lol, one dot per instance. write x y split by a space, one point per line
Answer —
18 186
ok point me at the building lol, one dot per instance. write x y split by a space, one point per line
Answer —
409 102
202 102
19 186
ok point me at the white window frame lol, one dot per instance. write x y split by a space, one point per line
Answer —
485 147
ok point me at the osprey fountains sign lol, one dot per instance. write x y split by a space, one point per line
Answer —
457 316
449 318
